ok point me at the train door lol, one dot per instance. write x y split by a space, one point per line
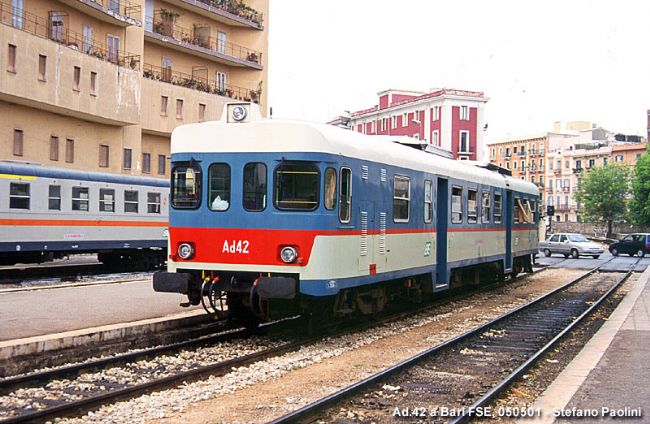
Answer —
508 218
442 218
366 239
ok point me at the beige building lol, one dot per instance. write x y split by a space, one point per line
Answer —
99 85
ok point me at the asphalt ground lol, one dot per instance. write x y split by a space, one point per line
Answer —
619 264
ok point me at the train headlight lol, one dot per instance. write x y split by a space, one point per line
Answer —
186 251
288 254
239 113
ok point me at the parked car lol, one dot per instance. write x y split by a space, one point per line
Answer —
632 244
570 244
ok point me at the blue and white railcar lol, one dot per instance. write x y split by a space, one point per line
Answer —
47 213
276 217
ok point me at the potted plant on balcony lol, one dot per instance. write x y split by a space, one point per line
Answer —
252 57
148 73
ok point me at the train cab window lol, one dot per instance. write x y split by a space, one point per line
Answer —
428 201
106 200
485 207
472 206
296 187
497 208
153 202
523 212
80 199
330 189
219 187
401 198
456 205
255 187
54 198
19 196
345 195
131 201
186 186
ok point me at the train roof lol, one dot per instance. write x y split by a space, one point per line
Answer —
297 136
34 170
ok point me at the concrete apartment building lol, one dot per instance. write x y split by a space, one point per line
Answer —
448 119
99 85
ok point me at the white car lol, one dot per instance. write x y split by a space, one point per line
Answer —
570 244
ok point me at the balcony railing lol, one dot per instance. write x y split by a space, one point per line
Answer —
39 27
119 7
200 83
163 24
563 207
234 7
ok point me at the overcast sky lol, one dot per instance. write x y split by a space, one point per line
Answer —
537 62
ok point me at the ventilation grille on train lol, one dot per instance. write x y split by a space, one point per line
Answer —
383 175
382 233
364 172
364 234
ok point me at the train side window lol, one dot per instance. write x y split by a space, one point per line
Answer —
186 186
523 211
219 187
472 206
296 187
401 198
153 202
19 196
80 199
516 211
330 188
456 205
106 200
131 201
485 207
255 187
428 201
345 195
497 208
54 198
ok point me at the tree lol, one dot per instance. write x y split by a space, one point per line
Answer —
640 204
603 193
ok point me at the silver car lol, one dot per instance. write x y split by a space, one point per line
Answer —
570 244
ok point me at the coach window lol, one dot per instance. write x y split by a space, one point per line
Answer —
296 187
186 186
497 208
523 211
255 187
153 203
485 207
345 195
472 206
330 188
80 199
456 205
219 187
106 200
428 201
19 196
54 198
131 201
401 198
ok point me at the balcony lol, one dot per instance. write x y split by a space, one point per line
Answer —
162 30
566 189
228 12
38 26
563 207
116 12
201 83
557 171
577 170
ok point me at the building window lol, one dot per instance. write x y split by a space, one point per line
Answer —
56 26
497 208
472 206
592 162
255 186
153 203
18 142
42 67
93 83
11 58
87 42
19 196
464 113
179 108
436 113
161 164
80 199
166 74
69 150
393 121
77 78
401 198
485 207
54 148
163 105
221 42
131 201
201 112
113 42
219 187
103 156
464 142
106 200
126 163
17 14
405 119
428 201
221 83
54 198
456 205
146 163
619 158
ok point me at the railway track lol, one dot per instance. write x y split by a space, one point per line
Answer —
461 376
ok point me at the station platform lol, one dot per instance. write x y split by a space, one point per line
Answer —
608 379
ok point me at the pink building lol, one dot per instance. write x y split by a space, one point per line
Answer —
449 119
